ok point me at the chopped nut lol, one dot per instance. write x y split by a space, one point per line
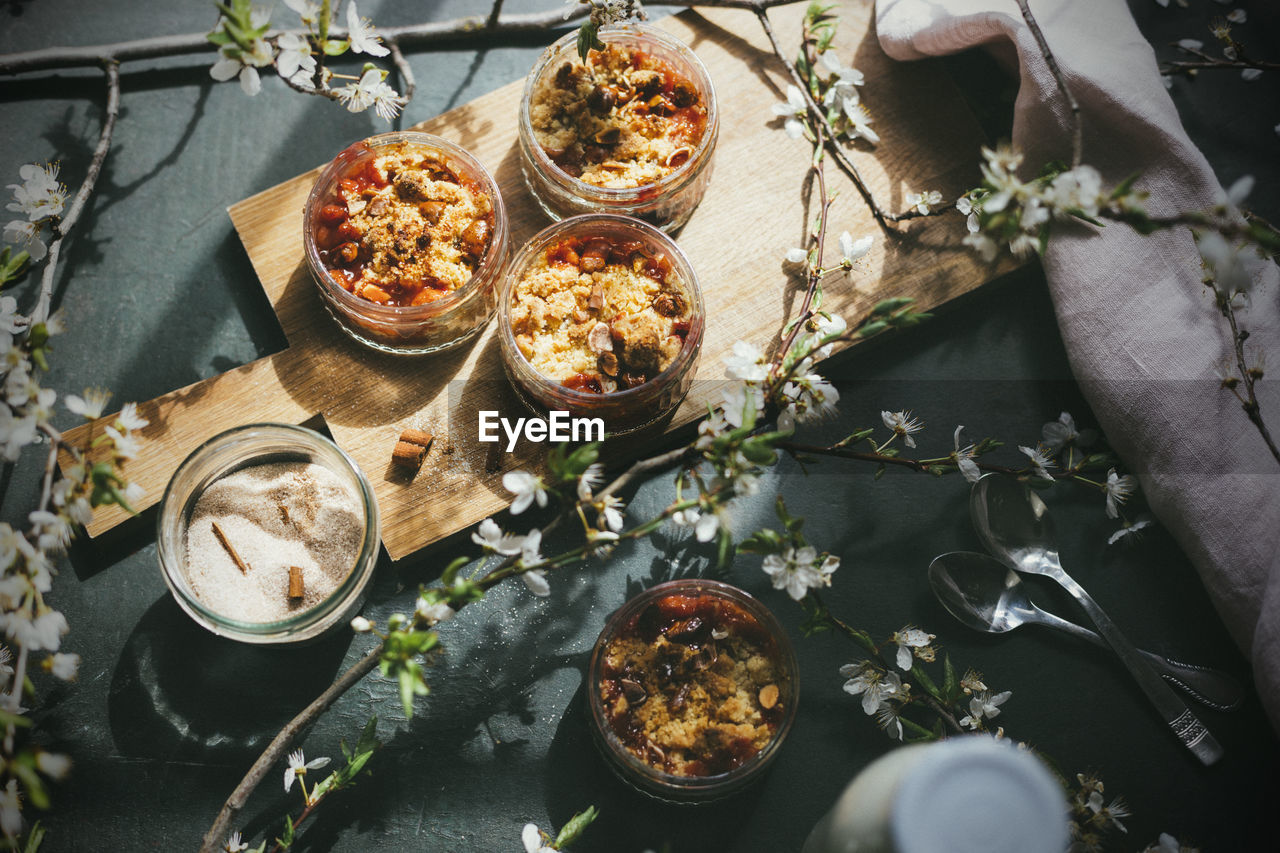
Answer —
609 136
600 339
476 238
678 157
596 301
634 691
296 589
669 304
600 100
348 252
683 94
607 363
647 82
431 210
768 696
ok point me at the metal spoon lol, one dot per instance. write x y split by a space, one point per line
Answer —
1014 523
986 595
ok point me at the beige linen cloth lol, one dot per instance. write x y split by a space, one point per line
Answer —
1142 334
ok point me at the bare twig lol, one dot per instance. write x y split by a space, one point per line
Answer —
213 839
72 216
403 69
493 14
1248 400
1077 131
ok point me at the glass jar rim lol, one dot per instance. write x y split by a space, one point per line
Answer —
686 171
351 585
786 659
542 239
447 302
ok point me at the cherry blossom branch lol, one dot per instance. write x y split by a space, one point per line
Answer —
1208 61
63 227
1077 130
403 69
1248 400
284 740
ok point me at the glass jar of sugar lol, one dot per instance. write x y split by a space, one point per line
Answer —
268 533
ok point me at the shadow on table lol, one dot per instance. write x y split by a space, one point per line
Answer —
181 693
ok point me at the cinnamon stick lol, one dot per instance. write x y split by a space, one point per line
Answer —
295 582
417 436
235 558
408 455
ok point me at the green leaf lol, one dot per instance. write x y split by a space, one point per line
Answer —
286 839
334 47
1122 189
32 782
571 831
950 684
763 541
724 549
35 838
874 327
10 719
588 39
450 573
219 37
758 452
887 306
880 471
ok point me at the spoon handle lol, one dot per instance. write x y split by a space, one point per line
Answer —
1175 712
1211 687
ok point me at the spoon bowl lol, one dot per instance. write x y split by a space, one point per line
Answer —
1014 524
981 592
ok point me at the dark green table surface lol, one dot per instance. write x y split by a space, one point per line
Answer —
165 718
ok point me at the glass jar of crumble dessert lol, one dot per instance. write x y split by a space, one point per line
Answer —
601 316
268 533
632 131
406 237
692 688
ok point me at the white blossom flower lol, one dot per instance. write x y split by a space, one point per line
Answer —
887 718
91 405
793 107
875 686
986 248
798 571
433 612
234 61
53 532
592 477
1190 44
309 11
1167 843
964 457
903 425
361 625
912 643
1132 528
126 445
371 90
532 840
53 764
361 34
26 236
611 510
1056 435
984 706
844 80
1232 264
11 809
795 255
1237 16
1118 489
294 61
924 201
851 249
859 121
1040 460
1250 74
526 487
64 666
40 195
490 537
746 362
704 524
234 844
11 321
42 633
298 767
129 418
530 548
1076 189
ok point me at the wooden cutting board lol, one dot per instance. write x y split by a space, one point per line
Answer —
752 213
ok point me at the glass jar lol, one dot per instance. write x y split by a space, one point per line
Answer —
967 794
684 628
232 451
626 409
451 318
666 202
